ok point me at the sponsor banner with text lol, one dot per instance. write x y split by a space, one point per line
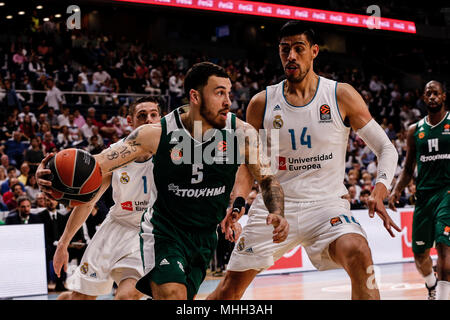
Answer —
288 12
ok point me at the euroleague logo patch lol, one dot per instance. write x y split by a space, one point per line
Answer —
446 129
176 154
325 113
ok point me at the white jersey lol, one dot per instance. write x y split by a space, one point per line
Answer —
313 143
131 186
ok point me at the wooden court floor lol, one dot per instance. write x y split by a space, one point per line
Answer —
399 281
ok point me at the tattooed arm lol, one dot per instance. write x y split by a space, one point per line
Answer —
257 167
140 142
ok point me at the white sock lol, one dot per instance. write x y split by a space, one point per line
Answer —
430 280
442 290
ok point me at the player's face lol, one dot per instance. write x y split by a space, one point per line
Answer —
215 101
144 113
297 55
434 97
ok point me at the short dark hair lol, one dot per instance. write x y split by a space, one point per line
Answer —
155 99
198 75
22 199
292 28
15 185
364 192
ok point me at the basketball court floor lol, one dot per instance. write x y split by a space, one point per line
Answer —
398 281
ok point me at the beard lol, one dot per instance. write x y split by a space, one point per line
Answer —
299 78
209 117
434 109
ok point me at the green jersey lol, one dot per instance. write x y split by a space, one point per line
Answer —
193 178
433 154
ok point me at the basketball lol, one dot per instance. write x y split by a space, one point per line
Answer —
76 176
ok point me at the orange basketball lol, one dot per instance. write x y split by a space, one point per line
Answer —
76 176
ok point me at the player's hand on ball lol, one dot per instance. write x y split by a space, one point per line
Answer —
41 172
280 227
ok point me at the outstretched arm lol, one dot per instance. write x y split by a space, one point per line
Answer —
76 219
352 107
140 142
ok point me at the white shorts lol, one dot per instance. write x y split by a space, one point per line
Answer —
313 225
112 256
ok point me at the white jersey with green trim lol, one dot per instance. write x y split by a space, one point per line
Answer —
312 143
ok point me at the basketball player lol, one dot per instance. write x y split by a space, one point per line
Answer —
113 255
190 193
428 146
313 116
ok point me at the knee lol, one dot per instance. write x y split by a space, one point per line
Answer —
355 253
128 295
421 258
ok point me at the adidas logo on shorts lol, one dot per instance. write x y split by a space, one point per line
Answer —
164 262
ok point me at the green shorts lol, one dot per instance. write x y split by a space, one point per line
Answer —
171 254
431 221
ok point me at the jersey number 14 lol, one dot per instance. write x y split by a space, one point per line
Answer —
305 140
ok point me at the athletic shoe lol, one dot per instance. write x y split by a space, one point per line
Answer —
431 292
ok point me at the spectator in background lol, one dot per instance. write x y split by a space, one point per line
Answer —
73 129
35 67
176 88
11 99
26 111
78 118
32 188
92 86
86 129
22 215
363 202
10 197
48 143
79 86
9 126
15 148
63 118
54 96
64 138
353 199
34 154
390 131
39 202
52 119
24 173
94 146
4 159
101 75
28 128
